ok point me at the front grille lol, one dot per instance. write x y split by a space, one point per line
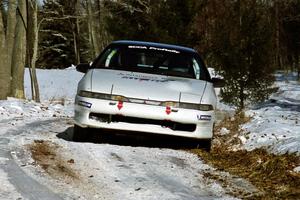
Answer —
134 120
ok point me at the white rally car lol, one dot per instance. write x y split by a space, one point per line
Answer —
147 87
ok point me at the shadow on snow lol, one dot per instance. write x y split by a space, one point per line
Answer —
288 106
136 139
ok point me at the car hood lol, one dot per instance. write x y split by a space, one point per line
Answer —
147 86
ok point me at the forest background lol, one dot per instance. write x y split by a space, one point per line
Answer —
245 41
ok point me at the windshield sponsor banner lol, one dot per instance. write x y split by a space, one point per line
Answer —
154 48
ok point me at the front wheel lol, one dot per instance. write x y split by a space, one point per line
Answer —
80 134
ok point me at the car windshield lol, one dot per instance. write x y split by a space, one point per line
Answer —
150 60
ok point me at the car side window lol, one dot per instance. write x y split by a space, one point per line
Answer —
104 61
204 74
196 68
109 57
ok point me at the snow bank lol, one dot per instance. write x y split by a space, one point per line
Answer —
276 123
16 108
55 84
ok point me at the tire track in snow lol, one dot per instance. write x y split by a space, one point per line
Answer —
113 172
28 187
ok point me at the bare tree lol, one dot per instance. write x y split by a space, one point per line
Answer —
98 35
14 48
32 46
4 76
10 36
93 39
19 53
75 31
7 35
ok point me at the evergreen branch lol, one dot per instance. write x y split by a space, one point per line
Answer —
60 18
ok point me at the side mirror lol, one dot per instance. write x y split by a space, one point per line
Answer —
83 67
218 82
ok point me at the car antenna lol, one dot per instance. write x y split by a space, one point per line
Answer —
179 97
111 90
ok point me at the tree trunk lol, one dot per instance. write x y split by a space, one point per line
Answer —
277 37
76 50
10 36
93 38
76 33
103 36
241 97
33 39
29 48
99 12
19 53
100 27
4 75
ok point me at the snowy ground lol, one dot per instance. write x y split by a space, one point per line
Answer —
276 123
109 171
55 84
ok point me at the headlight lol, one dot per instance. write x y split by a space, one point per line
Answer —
189 106
192 106
94 95
202 107
205 107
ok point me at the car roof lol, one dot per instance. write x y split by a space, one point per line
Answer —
153 44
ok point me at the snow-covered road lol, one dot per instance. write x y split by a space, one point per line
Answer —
15 183
98 171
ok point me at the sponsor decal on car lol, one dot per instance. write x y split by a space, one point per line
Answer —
120 105
137 47
143 78
153 48
168 110
85 104
204 117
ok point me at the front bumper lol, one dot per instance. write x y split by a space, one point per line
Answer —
87 108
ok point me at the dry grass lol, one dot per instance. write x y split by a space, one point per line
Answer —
45 155
60 100
232 124
273 175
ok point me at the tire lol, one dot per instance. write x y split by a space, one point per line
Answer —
204 144
80 134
